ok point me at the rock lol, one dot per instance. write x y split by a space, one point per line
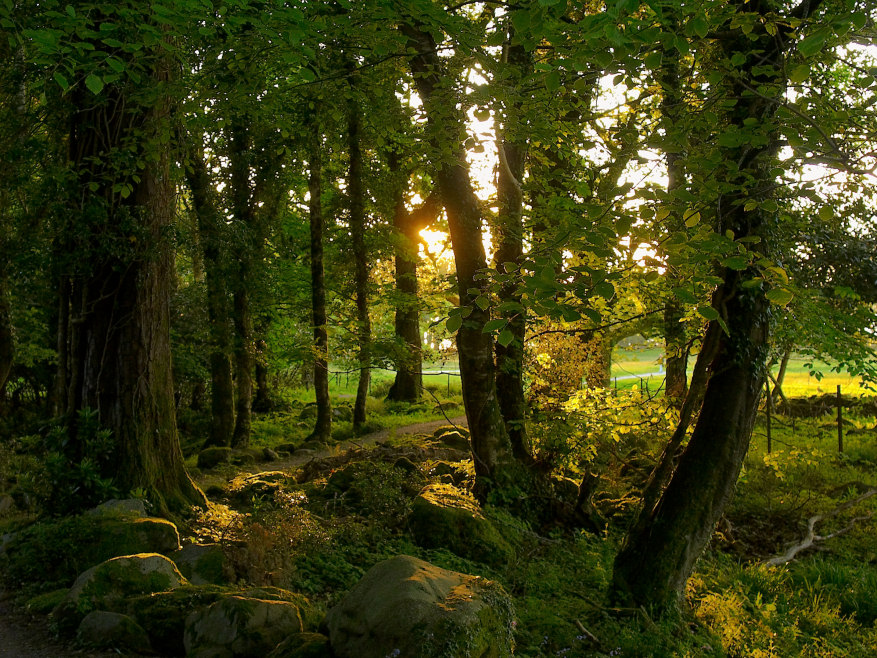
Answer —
456 438
111 630
342 413
342 479
128 507
7 504
245 456
202 564
212 457
442 517
107 585
240 626
447 472
124 576
407 607
269 455
286 447
309 412
406 465
303 645
164 614
304 452
56 552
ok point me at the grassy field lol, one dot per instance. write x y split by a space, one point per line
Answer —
629 363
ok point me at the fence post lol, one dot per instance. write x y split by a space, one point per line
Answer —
840 428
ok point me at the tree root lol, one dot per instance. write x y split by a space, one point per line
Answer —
812 538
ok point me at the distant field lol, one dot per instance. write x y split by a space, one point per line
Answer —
628 363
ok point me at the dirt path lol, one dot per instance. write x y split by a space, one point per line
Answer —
366 440
28 636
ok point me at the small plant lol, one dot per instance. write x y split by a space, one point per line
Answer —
74 466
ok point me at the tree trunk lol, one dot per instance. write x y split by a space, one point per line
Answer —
781 375
491 449
360 262
660 551
210 226
7 342
121 350
512 150
262 402
323 428
675 347
408 384
243 213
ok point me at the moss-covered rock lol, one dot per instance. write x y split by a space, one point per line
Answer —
129 507
203 564
443 517
109 584
164 614
407 607
303 645
112 630
240 626
55 552
455 440
212 457
120 577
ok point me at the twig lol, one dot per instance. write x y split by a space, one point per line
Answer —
588 634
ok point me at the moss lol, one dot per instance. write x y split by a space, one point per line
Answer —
43 604
442 517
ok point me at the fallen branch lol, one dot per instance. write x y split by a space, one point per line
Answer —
811 537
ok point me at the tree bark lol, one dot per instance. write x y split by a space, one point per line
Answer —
121 350
323 428
243 347
360 262
7 340
210 225
491 449
512 151
660 551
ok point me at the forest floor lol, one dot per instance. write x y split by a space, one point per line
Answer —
28 636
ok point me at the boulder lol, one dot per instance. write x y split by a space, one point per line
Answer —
406 465
269 455
444 429
240 626
7 505
342 413
407 607
130 507
55 552
112 630
212 457
302 645
121 577
443 517
455 438
202 564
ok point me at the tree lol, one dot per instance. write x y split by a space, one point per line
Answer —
661 549
121 204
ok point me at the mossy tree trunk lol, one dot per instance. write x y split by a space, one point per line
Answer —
356 196
512 149
491 448
120 355
211 240
323 428
661 549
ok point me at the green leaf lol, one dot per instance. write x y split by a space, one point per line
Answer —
692 219
700 26
685 296
799 74
606 290
552 81
493 325
61 80
94 83
826 214
505 337
653 60
482 301
779 296
736 263
592 315
813 44
454 322
708 313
